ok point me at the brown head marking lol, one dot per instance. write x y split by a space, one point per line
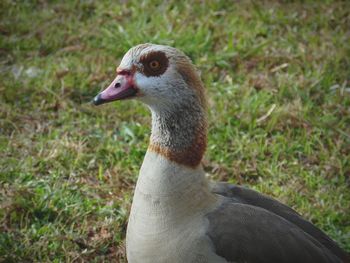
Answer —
154 63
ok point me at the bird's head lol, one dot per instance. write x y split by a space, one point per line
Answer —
160 76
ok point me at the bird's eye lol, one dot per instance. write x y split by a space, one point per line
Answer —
154 64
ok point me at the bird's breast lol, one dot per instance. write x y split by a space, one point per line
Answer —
167 221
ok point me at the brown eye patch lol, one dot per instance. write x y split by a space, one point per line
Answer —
154 63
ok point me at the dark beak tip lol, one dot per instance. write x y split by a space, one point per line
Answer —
98 100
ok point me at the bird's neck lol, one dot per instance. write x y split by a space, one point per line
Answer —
172 185
172 171
180 134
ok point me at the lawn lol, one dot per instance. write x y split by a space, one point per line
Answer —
278 84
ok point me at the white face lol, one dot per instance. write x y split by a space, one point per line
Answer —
156 76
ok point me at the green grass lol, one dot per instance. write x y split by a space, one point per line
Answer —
277 77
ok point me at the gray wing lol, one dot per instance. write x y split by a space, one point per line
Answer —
245 233
243 195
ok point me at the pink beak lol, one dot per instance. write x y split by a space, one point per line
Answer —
122 87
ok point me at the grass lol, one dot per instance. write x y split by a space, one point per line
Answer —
277 77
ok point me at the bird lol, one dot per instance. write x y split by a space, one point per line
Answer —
177 214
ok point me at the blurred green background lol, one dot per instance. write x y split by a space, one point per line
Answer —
278 82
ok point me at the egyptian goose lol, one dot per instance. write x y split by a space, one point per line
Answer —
176 214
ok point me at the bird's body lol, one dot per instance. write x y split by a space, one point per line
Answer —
176 214
177 217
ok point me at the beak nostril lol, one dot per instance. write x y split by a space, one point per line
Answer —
117 85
